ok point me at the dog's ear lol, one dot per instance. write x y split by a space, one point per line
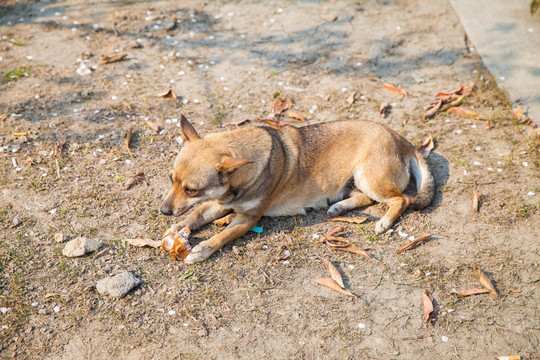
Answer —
229 164
188 131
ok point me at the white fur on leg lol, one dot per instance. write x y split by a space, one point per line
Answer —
382 225
199 253
336 210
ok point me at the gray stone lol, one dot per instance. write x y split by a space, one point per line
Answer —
80 246
118 285
59 237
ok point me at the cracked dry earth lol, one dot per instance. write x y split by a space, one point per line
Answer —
257 298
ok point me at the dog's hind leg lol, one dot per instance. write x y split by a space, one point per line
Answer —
397 205
357 199
204 214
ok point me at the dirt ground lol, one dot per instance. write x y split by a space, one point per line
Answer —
226 60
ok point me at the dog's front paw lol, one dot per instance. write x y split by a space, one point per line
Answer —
382 225
199 253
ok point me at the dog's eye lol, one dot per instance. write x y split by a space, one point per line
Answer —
190 191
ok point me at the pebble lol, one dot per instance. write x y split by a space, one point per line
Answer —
44 312
80 246
362 325
119 285
531 193
3 310
444 338
172 312
59 238
56 309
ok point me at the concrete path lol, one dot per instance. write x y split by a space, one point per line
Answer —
508 40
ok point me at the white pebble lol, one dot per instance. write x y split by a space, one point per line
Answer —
285 262
287 253
3 310
411 238
490 169
530 29
36 96
181 73
444 338
128 162
35 304
316 236
114 97
402 234
474 126
196 101
265 247
52 212
398 28
225 88
530 193
450 310
477 163
525 164
185 101
240 106
29 57
351 267
230 14
343 89
478 148
362 325
172 312
359 63
499 170
447 120
502 78
459 131
428 273
201 123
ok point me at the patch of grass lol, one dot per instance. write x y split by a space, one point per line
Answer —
461 162
274 73
16 42
370 235
10 75
527 211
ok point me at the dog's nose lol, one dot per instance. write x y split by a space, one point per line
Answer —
166 209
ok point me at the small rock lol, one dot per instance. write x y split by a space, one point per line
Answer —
80 246
202 333
168 24
59 238
44 312
118 285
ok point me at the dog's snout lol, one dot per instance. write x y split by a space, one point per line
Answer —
166 209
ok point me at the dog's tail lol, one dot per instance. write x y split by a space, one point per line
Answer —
425 184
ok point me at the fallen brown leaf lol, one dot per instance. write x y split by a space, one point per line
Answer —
144 241
521 117
453 103
3 117
484 280
296 115
169 94
107 59
274 122
354 249
127 140
428 306
134 180
352 220
459 91
469 292
394 89
476 199
334 273
152 125
336 241
330 283
24 133
282 105
336 230
238 123
383 109
417 337
413 244
466 112
434 108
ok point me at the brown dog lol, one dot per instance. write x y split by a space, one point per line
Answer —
256 171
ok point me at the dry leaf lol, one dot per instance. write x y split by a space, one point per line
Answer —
459 91
152 125
469 292
238 123
427 146
428 306
521 117
352 220
352 98
334 273
336 241
58 148
144 241
282 105
394 89
433 109
383 109
3 117
169 94
466 112
476 199
330 283
134 180
296 115
453 103
336 230
24 133
353 249
127 140
107 59
484 280
413 244
274 122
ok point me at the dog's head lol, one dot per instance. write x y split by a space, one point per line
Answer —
200 173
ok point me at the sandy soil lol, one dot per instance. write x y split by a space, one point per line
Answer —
225 61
